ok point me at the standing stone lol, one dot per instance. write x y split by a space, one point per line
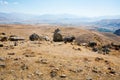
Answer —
57 37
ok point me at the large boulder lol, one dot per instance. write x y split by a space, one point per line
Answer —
117 32
34 37
57 37
69 39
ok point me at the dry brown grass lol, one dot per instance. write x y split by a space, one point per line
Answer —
75 64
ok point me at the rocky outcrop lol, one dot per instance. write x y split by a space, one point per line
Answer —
117 32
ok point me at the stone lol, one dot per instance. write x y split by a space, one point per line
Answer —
57 30
2 65
98 59
69 39
57 37
112 72
24 67
79 49
29 54
95 70
46 38
1 45
2 33
44 61
107 62
94 49
105 50
115 46
15 44
38 73
89 78
16 38
3 38
11 53
34 37
76 70
53 73
84 44
92 44
29 76
2 59
63 76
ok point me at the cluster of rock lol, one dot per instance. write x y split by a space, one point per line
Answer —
105 49
4 37
57 37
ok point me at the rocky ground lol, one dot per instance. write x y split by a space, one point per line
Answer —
49 60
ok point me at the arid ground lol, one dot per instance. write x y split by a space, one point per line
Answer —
49 60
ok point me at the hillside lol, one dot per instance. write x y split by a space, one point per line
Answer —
49 60
117 32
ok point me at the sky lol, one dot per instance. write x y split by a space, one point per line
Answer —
86 8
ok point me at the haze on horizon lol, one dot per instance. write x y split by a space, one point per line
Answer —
86 8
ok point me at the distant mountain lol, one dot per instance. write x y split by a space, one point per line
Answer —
107 25
11 18
104 24
109 22
46 18
117 32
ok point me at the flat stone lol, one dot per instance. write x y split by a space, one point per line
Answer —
44 61
11 53
98 59
2 65
2 59
38 73
63 76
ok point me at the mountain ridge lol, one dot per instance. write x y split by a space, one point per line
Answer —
103 24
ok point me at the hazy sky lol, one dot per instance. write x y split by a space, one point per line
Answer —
88 8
